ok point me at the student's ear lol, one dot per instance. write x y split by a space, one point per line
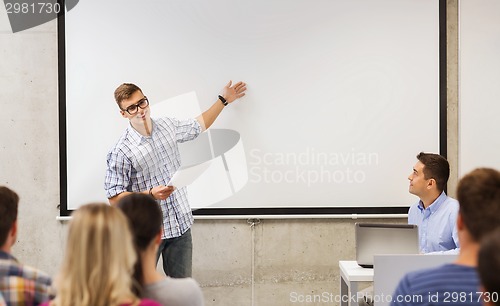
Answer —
123 113
489 302
13 232
158 238
431 183
487 297
460 221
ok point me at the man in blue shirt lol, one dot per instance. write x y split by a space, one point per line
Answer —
458 283
435 213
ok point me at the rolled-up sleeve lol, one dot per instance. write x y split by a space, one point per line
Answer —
186 130
118 173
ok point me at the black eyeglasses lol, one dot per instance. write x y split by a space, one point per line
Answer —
134 108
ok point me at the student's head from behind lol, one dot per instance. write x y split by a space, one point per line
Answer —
145 220
99 258
478 194
8 216
430 174
144 216
489 267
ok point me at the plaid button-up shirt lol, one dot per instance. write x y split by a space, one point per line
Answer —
137 163
22 285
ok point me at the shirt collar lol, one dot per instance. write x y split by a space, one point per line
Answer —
5 255
135 136
435 205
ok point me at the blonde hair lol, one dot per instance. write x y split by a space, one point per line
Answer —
99 259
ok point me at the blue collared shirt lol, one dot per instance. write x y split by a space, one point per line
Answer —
137 163
437 225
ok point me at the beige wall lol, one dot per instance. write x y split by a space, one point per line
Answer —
236 264
452 91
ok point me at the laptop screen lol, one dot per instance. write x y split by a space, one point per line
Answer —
384 238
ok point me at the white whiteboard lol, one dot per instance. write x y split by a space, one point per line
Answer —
479 102
341 94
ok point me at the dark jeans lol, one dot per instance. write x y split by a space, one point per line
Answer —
177 255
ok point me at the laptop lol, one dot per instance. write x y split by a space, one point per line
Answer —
384 238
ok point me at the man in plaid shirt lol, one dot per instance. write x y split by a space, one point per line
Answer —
19 284
147 156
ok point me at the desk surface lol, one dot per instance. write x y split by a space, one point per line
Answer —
352 272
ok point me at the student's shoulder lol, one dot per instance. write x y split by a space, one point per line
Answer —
37 275
451 201
26 272
437 276
414 208
191 289
164 120
175 291
171 121
187 284
123 144
452 206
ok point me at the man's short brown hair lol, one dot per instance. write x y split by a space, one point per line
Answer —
478 195
488 265
8 212
435 167
124 91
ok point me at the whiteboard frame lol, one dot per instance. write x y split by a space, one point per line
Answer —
305 212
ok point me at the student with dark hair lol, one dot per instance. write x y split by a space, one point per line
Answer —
435 213
458 283
488 267
145 220
19 284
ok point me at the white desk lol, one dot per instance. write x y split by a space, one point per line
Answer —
350 274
